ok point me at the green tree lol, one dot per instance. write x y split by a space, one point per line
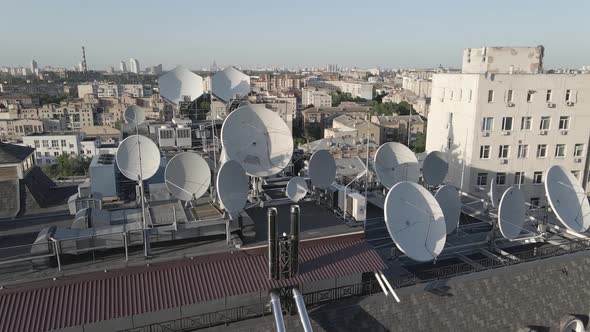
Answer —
420 142
338 97
67 165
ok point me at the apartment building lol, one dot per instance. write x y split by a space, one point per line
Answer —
315 97
356 89
509 121
49 146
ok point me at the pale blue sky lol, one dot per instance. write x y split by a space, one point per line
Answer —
418 33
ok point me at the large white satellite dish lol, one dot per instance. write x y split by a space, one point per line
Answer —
258 139
494 193
567 199
138 157
322 169
187 176
180 83
449 200
232 186
415 221
435 168
229 84
511 213
394 163
296 188
134 115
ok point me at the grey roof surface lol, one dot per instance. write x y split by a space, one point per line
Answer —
11 153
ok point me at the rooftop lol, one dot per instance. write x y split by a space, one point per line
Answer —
11 153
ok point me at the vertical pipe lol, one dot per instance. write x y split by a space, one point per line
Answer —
126 246
57 255
277 311
303 316
272 243
294 245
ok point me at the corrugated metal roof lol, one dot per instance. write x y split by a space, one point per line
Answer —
101 296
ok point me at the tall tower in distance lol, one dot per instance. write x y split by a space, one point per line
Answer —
84 67
34 66
123 67
134 66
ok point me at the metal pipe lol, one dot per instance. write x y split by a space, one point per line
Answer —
275 302
272 244
303 316
57 254
126 246
386 282
294 243
381 283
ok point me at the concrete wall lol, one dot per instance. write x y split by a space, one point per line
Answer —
9 198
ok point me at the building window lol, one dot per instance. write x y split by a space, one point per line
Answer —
535 201
549 96
37 143
538 178
510 96
482 179
504 151
568 95
541 150
45 143
507 123
451 95
56 154
545 123
38 154
523 151
578 150
54 143
449 143
560 150
484 152
487 124
71 146
470 94
576 174
501 178
529 96
519 178
526 123
564 122
63 143
46 154
490 96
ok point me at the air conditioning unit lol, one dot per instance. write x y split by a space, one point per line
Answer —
570 103
543 132
550 105
577 160
564 132
503 161
486 134
506 133
510 104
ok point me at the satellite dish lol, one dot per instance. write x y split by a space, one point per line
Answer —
511 213
134 115
180 84
187 176
230 83
394 163
138 157
322 169
494 194
296 188
450 202
232 186
435 168
567 199
258 139
415 221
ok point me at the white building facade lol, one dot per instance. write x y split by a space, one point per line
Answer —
50 146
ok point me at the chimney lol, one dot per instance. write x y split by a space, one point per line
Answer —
294 245
272 244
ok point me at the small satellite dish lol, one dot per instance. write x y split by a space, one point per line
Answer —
232 186
449 200
511 213
258 139
296 188
494 193
138 157
435 168
180 84
134 115
567 199
322 169
415 221
394 163
230 83
187 176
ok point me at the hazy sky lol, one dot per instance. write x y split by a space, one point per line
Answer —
411 33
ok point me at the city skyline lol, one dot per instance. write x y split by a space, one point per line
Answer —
311 34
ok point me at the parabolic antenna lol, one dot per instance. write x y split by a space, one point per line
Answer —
138 157
511 213
450 202
494 193
258 139
230 83
187 176
415 221
232 186
435 168
322 169
394 163
567 199
296 188
134 115
180 84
